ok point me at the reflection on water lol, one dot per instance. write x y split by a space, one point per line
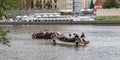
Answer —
104 43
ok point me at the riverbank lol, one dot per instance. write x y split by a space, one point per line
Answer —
107 18
65 22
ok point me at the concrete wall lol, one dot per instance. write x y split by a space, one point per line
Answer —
108 12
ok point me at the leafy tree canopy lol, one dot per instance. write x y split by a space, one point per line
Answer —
7 5
3 37
110 4
38 3
48 3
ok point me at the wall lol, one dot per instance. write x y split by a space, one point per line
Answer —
61 5
108 12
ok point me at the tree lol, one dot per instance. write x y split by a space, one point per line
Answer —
38 3
6 6
3 37
110 4
91 5
48 4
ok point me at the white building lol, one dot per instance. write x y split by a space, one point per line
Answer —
77 6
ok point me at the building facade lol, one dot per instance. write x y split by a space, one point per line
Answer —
86 4
42 3
98 4
77 6
52 4
28 3
74 5
65 5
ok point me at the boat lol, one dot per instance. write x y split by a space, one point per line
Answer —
42 35
59 38
55 18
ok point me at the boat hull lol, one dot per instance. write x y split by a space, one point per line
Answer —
75 43
42 35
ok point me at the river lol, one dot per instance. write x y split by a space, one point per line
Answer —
104 43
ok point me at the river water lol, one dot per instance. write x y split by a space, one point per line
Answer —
104 43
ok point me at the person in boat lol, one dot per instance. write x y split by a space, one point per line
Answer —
83 37
76 35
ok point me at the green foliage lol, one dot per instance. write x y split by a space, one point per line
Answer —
38 3
48 4
110 4
3 37
91 5
6 9
107 18
7 5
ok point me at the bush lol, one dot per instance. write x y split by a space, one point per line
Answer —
110 4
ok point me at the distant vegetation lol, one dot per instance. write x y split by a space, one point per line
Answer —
48 4
7 5
113 18
38 4
111 4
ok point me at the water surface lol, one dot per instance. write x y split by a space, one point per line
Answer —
104 43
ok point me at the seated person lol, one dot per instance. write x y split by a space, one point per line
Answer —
82 37
76 35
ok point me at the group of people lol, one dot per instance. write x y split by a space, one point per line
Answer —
81 38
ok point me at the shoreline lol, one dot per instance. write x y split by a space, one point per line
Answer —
63 23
